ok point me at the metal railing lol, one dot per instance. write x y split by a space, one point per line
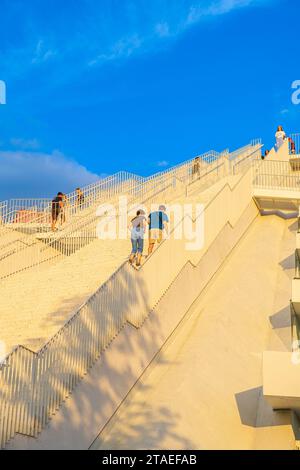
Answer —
26 252
24 210
270 174
294 144
3 208
33 385
208 174
236 153
242 150
232 163
35 214
245 159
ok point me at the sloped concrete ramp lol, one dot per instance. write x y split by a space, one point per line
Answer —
204 388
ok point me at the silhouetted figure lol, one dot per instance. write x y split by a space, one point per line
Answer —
57 205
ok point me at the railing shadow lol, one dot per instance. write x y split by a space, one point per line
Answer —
33 385
142 427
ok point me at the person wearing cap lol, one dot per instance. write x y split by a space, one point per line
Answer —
158 222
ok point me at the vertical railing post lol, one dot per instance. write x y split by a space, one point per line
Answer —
297 265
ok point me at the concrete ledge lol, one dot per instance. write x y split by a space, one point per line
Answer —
278 194
281 379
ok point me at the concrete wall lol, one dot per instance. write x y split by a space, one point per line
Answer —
283 154
98 396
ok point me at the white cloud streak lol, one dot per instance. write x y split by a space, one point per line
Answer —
25 144
98 34
34 174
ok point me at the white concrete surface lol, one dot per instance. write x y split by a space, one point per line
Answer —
204 389
98 396
281 372
34 305
206 369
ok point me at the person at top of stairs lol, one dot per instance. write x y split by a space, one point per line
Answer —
280 136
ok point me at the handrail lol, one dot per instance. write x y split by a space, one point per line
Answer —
294 144
40 255
276 174
238 151
247 157
33 385
134 189
40 208
31 204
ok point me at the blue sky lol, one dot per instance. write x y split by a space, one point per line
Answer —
94 87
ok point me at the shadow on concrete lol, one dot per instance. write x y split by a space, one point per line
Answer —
288 263
139 427
250 401
247 403
61 364
281 324
293 227
281 319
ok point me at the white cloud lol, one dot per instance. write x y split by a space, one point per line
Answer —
42 54
162 29
162 163
150 30
23 144
225 6
103 34
284 111
216 8
35 174
123 48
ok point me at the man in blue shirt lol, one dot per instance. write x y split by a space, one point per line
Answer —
158 222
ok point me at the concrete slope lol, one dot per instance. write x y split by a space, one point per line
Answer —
203 390
35 304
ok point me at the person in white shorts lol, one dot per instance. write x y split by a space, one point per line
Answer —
158 222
